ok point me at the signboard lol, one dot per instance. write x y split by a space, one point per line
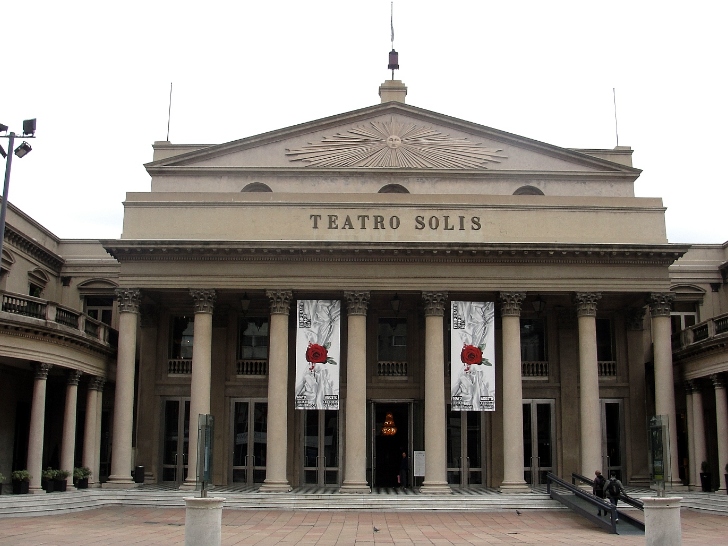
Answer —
419 457
472 356
318 354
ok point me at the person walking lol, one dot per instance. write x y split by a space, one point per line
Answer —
613 488
598 488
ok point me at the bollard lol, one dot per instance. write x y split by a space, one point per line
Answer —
662 521
203 521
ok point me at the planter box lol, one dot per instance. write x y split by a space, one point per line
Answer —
705 482
82 483
20 487
48 485
59 485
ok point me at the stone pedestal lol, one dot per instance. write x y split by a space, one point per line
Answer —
662 521
203 521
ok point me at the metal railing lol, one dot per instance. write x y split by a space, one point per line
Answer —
622 496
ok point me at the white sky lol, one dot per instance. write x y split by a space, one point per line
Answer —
96 75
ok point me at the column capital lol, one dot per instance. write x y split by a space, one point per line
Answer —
41 370
96 384
689 387
129 299
718 381
635 318
357 302
434 303
73 377
586 303
204 299
511 303
280 301
661 304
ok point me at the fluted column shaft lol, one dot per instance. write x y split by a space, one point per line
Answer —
721 418
512 398
355 460
435 418
589 409
204 301
276 479
68 446
698 427
121 448
692 477
96 469
660 306
89 430
37 426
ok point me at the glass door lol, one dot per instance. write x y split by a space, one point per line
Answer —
321 447
464 447
176 439
612 434
538 445
249 432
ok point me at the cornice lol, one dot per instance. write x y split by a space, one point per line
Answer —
405 252
32 248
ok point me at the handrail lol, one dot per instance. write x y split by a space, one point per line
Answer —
598 503
624 497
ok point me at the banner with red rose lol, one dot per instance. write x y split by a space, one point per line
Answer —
318 354
472 356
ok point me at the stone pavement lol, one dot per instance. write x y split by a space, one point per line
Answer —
160 526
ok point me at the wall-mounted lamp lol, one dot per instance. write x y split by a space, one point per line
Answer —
245 303
538 305
395 303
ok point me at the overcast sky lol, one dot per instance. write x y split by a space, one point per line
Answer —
96 75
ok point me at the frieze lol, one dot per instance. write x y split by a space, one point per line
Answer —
435 303
280 301
357 302
392 144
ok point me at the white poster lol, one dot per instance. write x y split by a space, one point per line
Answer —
318 354
472 356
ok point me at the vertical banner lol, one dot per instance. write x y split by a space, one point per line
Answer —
318 353
472 356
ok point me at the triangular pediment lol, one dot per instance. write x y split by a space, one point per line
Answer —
390 136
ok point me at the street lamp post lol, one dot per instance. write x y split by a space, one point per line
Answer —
21 151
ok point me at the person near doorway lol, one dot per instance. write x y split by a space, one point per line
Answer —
613 488
403 470
598 488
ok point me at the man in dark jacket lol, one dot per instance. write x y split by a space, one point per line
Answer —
613 488
598 488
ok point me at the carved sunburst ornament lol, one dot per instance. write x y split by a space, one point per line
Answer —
396 145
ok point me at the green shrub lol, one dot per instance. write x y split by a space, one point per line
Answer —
80 473
21 476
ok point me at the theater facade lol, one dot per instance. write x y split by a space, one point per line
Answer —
318 290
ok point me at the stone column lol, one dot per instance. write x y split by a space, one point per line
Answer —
637 461
721 418
590 427
435 417
68 446
204 301
276 479
698 427
660 306
355 459
37 426
692 477
512 398
89 429
96 469
121 448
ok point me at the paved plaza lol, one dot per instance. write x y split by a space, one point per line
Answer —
160 526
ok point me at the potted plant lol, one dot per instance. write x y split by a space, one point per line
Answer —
81 476
705 477
60 479
21 481
46 479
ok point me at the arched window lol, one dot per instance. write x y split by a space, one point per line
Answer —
528 190
37 281
393 188
256 187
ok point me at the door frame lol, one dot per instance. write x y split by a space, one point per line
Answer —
621 469
250 469
535 467
321 469
372 432
179 465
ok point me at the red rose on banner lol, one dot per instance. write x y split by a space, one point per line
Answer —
316 354
471 355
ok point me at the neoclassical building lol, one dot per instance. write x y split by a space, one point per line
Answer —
395 212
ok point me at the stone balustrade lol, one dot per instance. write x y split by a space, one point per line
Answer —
701 335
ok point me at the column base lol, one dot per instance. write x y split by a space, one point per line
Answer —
188 485
435 488
516 487
120 482
275 487
35 490
355 487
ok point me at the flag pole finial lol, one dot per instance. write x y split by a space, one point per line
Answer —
393 55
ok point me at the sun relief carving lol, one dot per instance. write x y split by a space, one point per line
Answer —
394 144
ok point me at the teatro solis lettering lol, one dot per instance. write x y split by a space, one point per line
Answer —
377 221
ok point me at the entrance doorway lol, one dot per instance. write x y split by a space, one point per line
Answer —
249 432
465 447
321 447
391 435
538 434
612 434
176 439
